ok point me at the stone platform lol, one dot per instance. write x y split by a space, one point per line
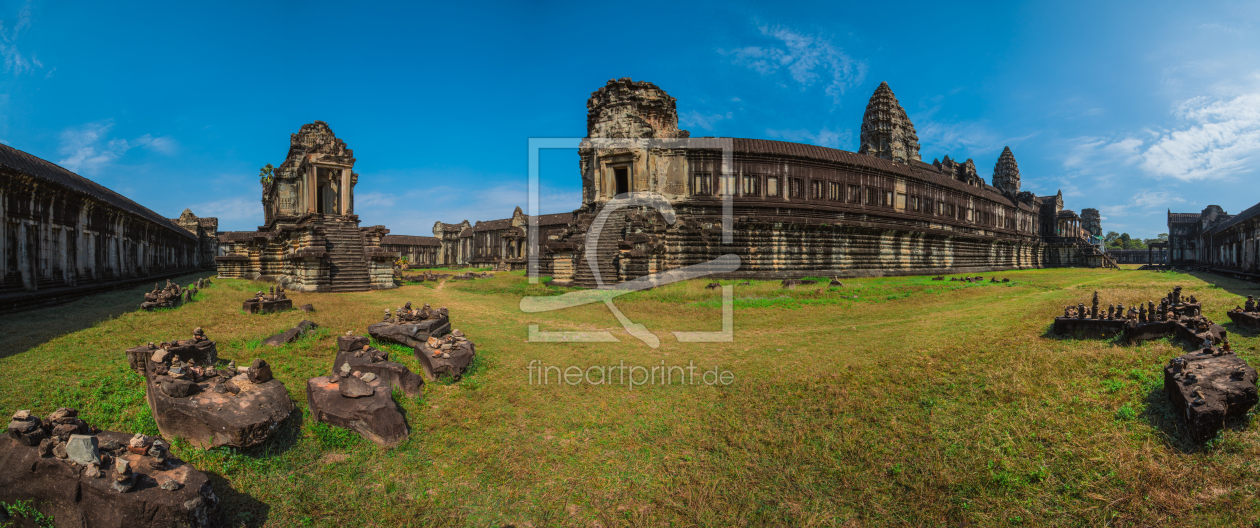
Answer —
253 306
411 327
167 494
1208 386
1248 320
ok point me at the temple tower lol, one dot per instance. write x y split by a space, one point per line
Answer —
624 108
886 129
1006 173
1091 221
316 178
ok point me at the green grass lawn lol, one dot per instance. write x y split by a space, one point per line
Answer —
884 402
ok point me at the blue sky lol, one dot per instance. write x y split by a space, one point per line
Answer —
1132 108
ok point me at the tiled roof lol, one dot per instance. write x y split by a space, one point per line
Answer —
242 236
1250 213
466 233
1180 218
23 162
493 225
555 219
409 240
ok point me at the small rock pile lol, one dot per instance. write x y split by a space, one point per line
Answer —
977 278
273 300
114 479
472 275
449 355
169 296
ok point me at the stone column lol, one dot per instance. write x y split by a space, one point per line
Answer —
345 192
312 186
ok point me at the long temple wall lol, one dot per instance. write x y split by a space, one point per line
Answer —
64 236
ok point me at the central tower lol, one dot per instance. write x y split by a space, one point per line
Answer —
316 178
886 129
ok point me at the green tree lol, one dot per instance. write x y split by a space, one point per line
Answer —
265 173
1110 239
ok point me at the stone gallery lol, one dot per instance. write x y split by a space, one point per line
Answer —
1213 239
65 236
798 209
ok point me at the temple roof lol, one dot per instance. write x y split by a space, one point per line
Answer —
44 170
410 240
1180 218
1250 213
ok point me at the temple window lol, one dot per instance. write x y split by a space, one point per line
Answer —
834 192
701 184
797 188
816 189
855 194
752 185
772 186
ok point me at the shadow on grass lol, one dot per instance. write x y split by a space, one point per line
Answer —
1234 286
239 509
23 331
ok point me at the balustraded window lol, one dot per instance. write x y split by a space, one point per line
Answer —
752 185
702 184
796 188
772 186
834 192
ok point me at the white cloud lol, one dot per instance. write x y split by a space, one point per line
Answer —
807 58
88 148
14 60
693 118
1222 139
824 138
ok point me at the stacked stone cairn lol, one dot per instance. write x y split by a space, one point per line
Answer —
1247 315
450 355
1173 316
101 478
1208 386
168 296
472 276
411 327
193 396
357 395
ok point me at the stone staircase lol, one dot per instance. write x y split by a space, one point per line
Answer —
348 270
612 233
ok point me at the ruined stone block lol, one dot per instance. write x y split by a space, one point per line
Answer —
76 495
375 417
1208 386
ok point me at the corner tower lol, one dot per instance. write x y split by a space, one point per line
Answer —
886 129
1006 173
316 178
627 109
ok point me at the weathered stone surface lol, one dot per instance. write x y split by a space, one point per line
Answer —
210 418
259 372
450 355
1208 386
307 308
375 417
74 497
354 387
82 449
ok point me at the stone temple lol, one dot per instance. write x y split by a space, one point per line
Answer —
1214 239
311 240
800 210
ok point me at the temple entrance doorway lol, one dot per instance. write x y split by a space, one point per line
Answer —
622 176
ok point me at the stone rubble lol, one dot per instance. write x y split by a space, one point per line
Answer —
270 301
292 334
450 355
1207 386
410 327
145 487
